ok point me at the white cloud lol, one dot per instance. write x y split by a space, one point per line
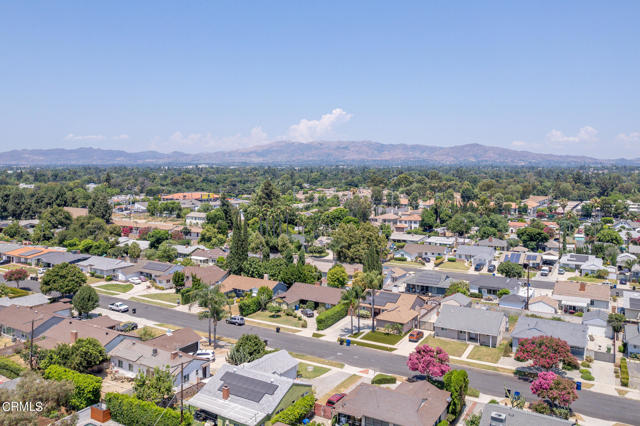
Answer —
120 137
629 137
518 143
196 142
585 134
309 130
72 137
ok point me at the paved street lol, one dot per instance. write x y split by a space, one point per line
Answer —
590 403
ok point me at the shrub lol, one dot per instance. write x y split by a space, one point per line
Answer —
400 259
585 364
624 372
438 257
10 369
296 412
363 313
587 375
249 306
494 401
475 295
621 348
383 379
132 411
17 292
540 407
304 324
578 314
451 259
473 392
329 317
109 278
589 359
86 387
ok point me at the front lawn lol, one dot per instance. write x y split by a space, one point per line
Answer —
163 297
487 354
317 360
587 279
308 371
118 288
382 337
151 302
30 269
452 347
281 319
373 346
458 265
513 319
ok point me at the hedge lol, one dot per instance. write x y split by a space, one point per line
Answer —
249 306
86 387
17 292
624 372
400 259
10 369
383 379
451 259
296 412
475 295
132 411
332 316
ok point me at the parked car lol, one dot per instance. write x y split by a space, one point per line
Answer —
127 326
333 400
4 261
135 280
479 266
41 271
118 307
623 280
544 272
416 336
208 355
491 268
307 313
426 259
235 320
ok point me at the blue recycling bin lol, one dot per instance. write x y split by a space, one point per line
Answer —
578 385
297 307
348 342
516 394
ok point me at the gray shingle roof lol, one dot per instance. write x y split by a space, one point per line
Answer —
595 314
518 417
632 334
429 278
485 252
496 283
470 319
459 298
104 263
574 334
276 362
56 258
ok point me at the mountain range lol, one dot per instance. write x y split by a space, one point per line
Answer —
311 153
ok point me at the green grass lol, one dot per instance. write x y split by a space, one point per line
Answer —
118 288
151 302
164 297
317 360
281 319
457 266
473 392
452 347
155 332
317 335
272 326
487 354
586 279
382 337
93 280
407 263
30 269
316 371
356 335
372 346
108 293
513 319
481 366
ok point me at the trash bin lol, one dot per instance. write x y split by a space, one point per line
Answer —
516 394
297 307
348 342
133 311
277 329
578 385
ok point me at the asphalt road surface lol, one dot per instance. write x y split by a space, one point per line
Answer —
612 408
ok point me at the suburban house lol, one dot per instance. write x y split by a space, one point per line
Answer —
513 301
475 254
238 285
184 340
596 320
622 259
495 243
457 299
500 415
427 283
279 362
130 356
392 275
414 251
29 300
105 266
410 221
534 260
471 325
209 275
245 395
490 285
54 258
632 338
126 242
6 248
575 262
629 305
385 219
16 321
442 241
410 404
150 269
204 257
407 310
28 254
576 335
325 265
403 237
196 218
69 330
300 293
535 202
580 297
544 304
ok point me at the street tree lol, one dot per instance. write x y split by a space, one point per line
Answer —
433 362
63 278
16 275
85 300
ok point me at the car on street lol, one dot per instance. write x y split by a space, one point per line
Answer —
135 280
560 271
235 320
208 355
335 398
118 307
127 326
307 313
416 336
544 272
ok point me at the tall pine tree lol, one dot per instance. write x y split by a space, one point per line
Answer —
239 252
372 261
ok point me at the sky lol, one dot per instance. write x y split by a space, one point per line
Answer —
543 76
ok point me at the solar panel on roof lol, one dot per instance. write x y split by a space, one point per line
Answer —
247 387
634 303
156 266
383 298
532 256
579 257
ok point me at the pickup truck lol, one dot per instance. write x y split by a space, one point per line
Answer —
118 307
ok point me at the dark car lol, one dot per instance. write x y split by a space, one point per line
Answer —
307 313
426 259
491 268
479 266
333 400
235 320
203 416
127 326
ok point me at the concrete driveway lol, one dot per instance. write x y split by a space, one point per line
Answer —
634 374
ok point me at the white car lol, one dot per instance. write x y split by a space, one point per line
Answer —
118 307
135 280
41 271
208 355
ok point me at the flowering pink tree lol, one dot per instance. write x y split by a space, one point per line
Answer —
546 352
558 390
433 362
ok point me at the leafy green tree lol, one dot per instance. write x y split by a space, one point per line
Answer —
351 243
178 280
609 236
532 238
248 348
167 252
616 322
511 270
99 206
238 253
63 278
458 287
265 294
214 302
211 237
372 261
134 250
157 237
156 387
457 383
337 276
427 219
85 300
81 356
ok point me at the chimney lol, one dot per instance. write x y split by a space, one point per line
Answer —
154 351
583 286
266 277
174 354
74 336
225 392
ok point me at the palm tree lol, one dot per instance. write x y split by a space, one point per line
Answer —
214 301
563 203
616 321
352 297
373 282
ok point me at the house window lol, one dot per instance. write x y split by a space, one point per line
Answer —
185 378
130 367
593 302
119 363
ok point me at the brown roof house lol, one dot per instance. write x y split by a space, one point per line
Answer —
70 330
408 310
239 285
300 293
16 321
581 297
209 275
410 404
184 340
204 257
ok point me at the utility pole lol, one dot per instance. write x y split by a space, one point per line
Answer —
526 306
31 346
181 392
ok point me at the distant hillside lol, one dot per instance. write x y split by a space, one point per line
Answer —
312 153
